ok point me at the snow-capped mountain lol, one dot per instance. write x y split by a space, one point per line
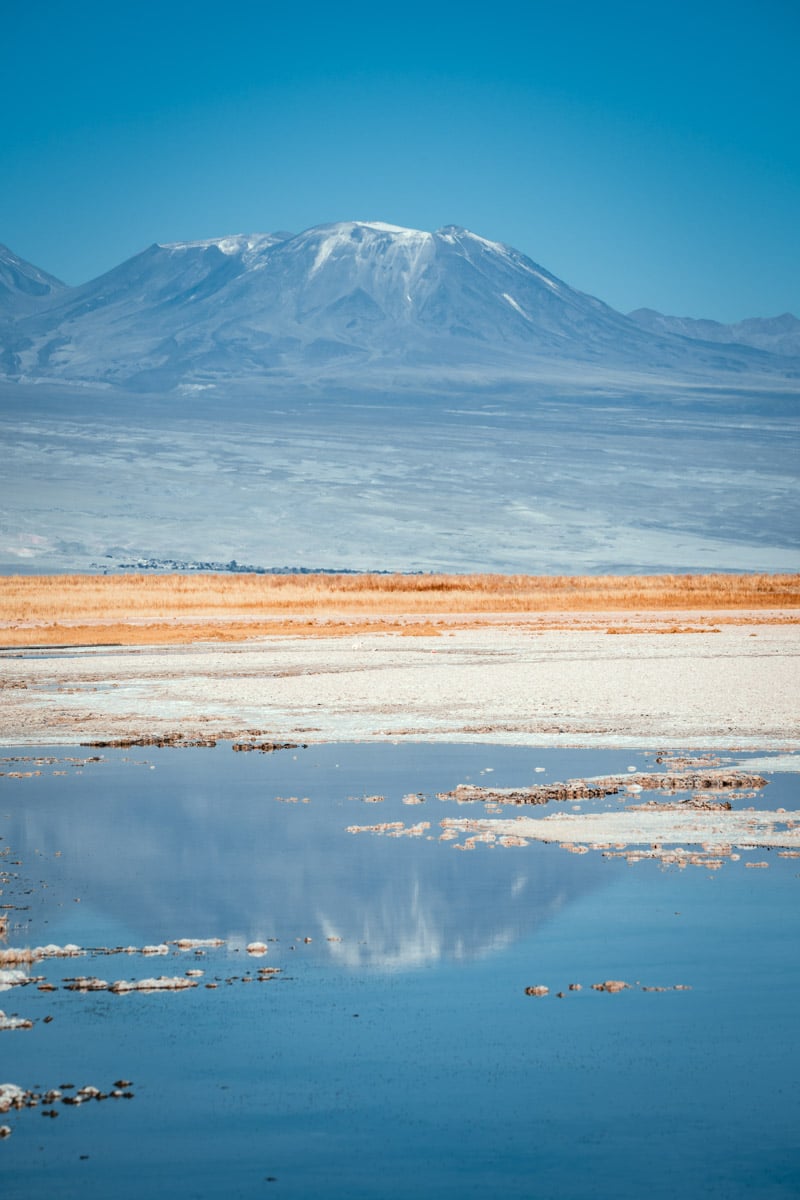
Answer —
363 396
336 300
778 335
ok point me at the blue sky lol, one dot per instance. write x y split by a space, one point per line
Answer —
648 153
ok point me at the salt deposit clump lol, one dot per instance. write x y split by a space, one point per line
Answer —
28 954
163 983
12 978
11 1096
14 1022
198 943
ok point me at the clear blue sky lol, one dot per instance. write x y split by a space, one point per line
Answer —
646 152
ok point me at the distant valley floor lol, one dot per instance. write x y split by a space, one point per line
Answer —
537 480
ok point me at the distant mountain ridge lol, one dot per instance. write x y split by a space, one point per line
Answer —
778 335
339 301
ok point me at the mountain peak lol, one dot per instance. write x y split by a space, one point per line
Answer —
384 227
359 230
23 287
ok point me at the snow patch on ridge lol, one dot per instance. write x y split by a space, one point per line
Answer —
406 244
382 227
514 304
525 266
452 234
237 243
495 247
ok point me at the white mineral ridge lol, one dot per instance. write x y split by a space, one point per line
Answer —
710 829
162 983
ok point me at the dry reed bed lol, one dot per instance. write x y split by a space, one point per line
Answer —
142 609
53 597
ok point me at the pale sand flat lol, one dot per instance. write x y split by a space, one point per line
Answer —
736 688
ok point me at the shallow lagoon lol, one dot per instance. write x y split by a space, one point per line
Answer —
405 1056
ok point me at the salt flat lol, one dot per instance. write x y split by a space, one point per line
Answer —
522 684
545 480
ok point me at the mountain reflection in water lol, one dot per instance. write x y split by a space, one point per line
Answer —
458 1042
202 846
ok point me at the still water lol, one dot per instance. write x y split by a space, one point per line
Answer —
396 1050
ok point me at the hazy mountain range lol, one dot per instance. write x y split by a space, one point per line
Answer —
778 335
345 299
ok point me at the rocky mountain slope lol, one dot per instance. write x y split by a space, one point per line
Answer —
335 302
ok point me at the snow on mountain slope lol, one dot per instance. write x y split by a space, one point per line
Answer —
778 335
339 301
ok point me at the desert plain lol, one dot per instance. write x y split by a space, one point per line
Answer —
705 661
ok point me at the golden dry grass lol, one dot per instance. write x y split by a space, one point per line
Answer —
140 609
